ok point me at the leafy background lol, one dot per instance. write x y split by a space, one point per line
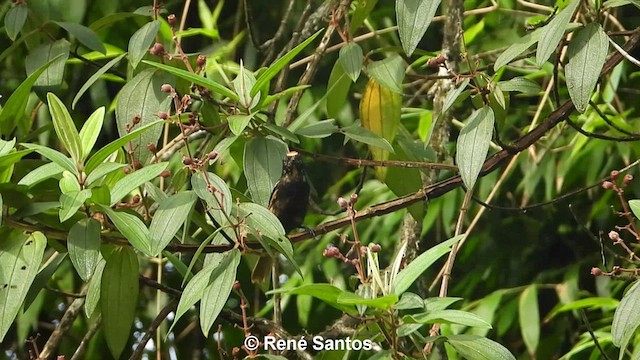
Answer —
526 272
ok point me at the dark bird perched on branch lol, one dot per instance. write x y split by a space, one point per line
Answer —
290 197
288 202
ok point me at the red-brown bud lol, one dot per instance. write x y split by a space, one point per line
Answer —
343 203
187 160
163 115
166 88
607 185
212 155
171 19
157 49
135 199
376 248
596 271
353 198
165 174
236 285
613 235
151 147
137 164
614 174
627 179
126 170
201 60
136 120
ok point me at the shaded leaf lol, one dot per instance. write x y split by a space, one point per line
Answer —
20 258
14 20
52 76
65 128
137 178
263 159
473 145
119 297
626 318
171 214
338 90
552 33
217 292
320 129
142 97
520 84
83 243
93 291
131 227
279 64
84 35
141 41
219 205
411 272
529 316
358 133
587 53
388 72
414 17
237 123
351 59
94 78
479 348
71 201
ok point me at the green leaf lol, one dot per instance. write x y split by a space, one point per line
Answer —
361 12
320 129
358 133
517 48
90 131
243 84
626 319
217 292
635 207
351 59
196 79
237 123
338 90
55 156
71 201
388 72
119 297
83 243
142 97
552 33
65 128
277 65
326 292
473 145
414 17
103 170
383 302
448 316
219 205
263 159
43 277
113 146
411 272
14 20
258 218
52 76
131 227
171 214
141 41
93 292
282 132
84 35
194 290
529 316
95 78
587 53
520 84
20 258
473 347
40 174
137 178
13 109
271 98
591 303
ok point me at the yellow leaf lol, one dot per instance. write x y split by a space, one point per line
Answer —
380 113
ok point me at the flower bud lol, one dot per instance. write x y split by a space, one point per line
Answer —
157 49
613 235
353 198
151 147
165 173
171 19
627 179
607 185
163 115
343 203
375 248
201 60
166 88
596 271
614 174
187 160
137 165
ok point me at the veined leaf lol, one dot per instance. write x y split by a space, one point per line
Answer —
552 33
414 17
473 145
65 128
141 41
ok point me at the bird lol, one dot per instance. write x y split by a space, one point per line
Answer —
288 202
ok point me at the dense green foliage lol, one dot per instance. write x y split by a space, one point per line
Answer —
463 168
